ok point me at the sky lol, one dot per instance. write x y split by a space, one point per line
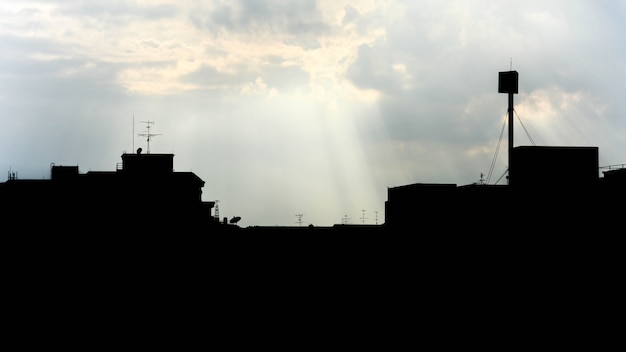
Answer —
306 112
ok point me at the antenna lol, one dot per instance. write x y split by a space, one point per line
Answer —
299 216
12 175
363 218
148 134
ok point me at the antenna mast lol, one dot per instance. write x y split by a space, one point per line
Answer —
299 216
148 134
507 83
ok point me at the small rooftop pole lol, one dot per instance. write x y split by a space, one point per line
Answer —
299 216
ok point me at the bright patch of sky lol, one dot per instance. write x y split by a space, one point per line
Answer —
307 107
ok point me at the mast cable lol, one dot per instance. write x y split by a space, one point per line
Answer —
493 161
501 176
524 127
498 146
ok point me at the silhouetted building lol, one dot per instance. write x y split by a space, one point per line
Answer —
555 188
537 166
143 193
549 189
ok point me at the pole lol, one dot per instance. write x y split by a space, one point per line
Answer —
510 134
507 83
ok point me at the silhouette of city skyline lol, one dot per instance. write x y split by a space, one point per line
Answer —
541 253
145 184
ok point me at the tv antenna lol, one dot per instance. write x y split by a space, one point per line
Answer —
363 218
148 134
299 216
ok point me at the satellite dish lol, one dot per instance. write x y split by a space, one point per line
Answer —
235 219
139 150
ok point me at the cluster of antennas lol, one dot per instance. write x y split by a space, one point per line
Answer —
146 134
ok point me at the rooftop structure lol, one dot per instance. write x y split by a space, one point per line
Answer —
543 181
144 192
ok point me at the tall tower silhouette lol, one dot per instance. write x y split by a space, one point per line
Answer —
507 83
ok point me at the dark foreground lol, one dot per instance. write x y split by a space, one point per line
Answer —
265 288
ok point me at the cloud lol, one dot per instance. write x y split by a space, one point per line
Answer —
117 12
270 17
323 103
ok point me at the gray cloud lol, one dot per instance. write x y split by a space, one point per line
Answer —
116 11
323 103
277 17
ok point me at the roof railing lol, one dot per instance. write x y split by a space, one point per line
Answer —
612 167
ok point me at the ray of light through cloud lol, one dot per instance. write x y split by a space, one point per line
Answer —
308 107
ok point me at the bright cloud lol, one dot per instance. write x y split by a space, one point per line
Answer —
311 107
